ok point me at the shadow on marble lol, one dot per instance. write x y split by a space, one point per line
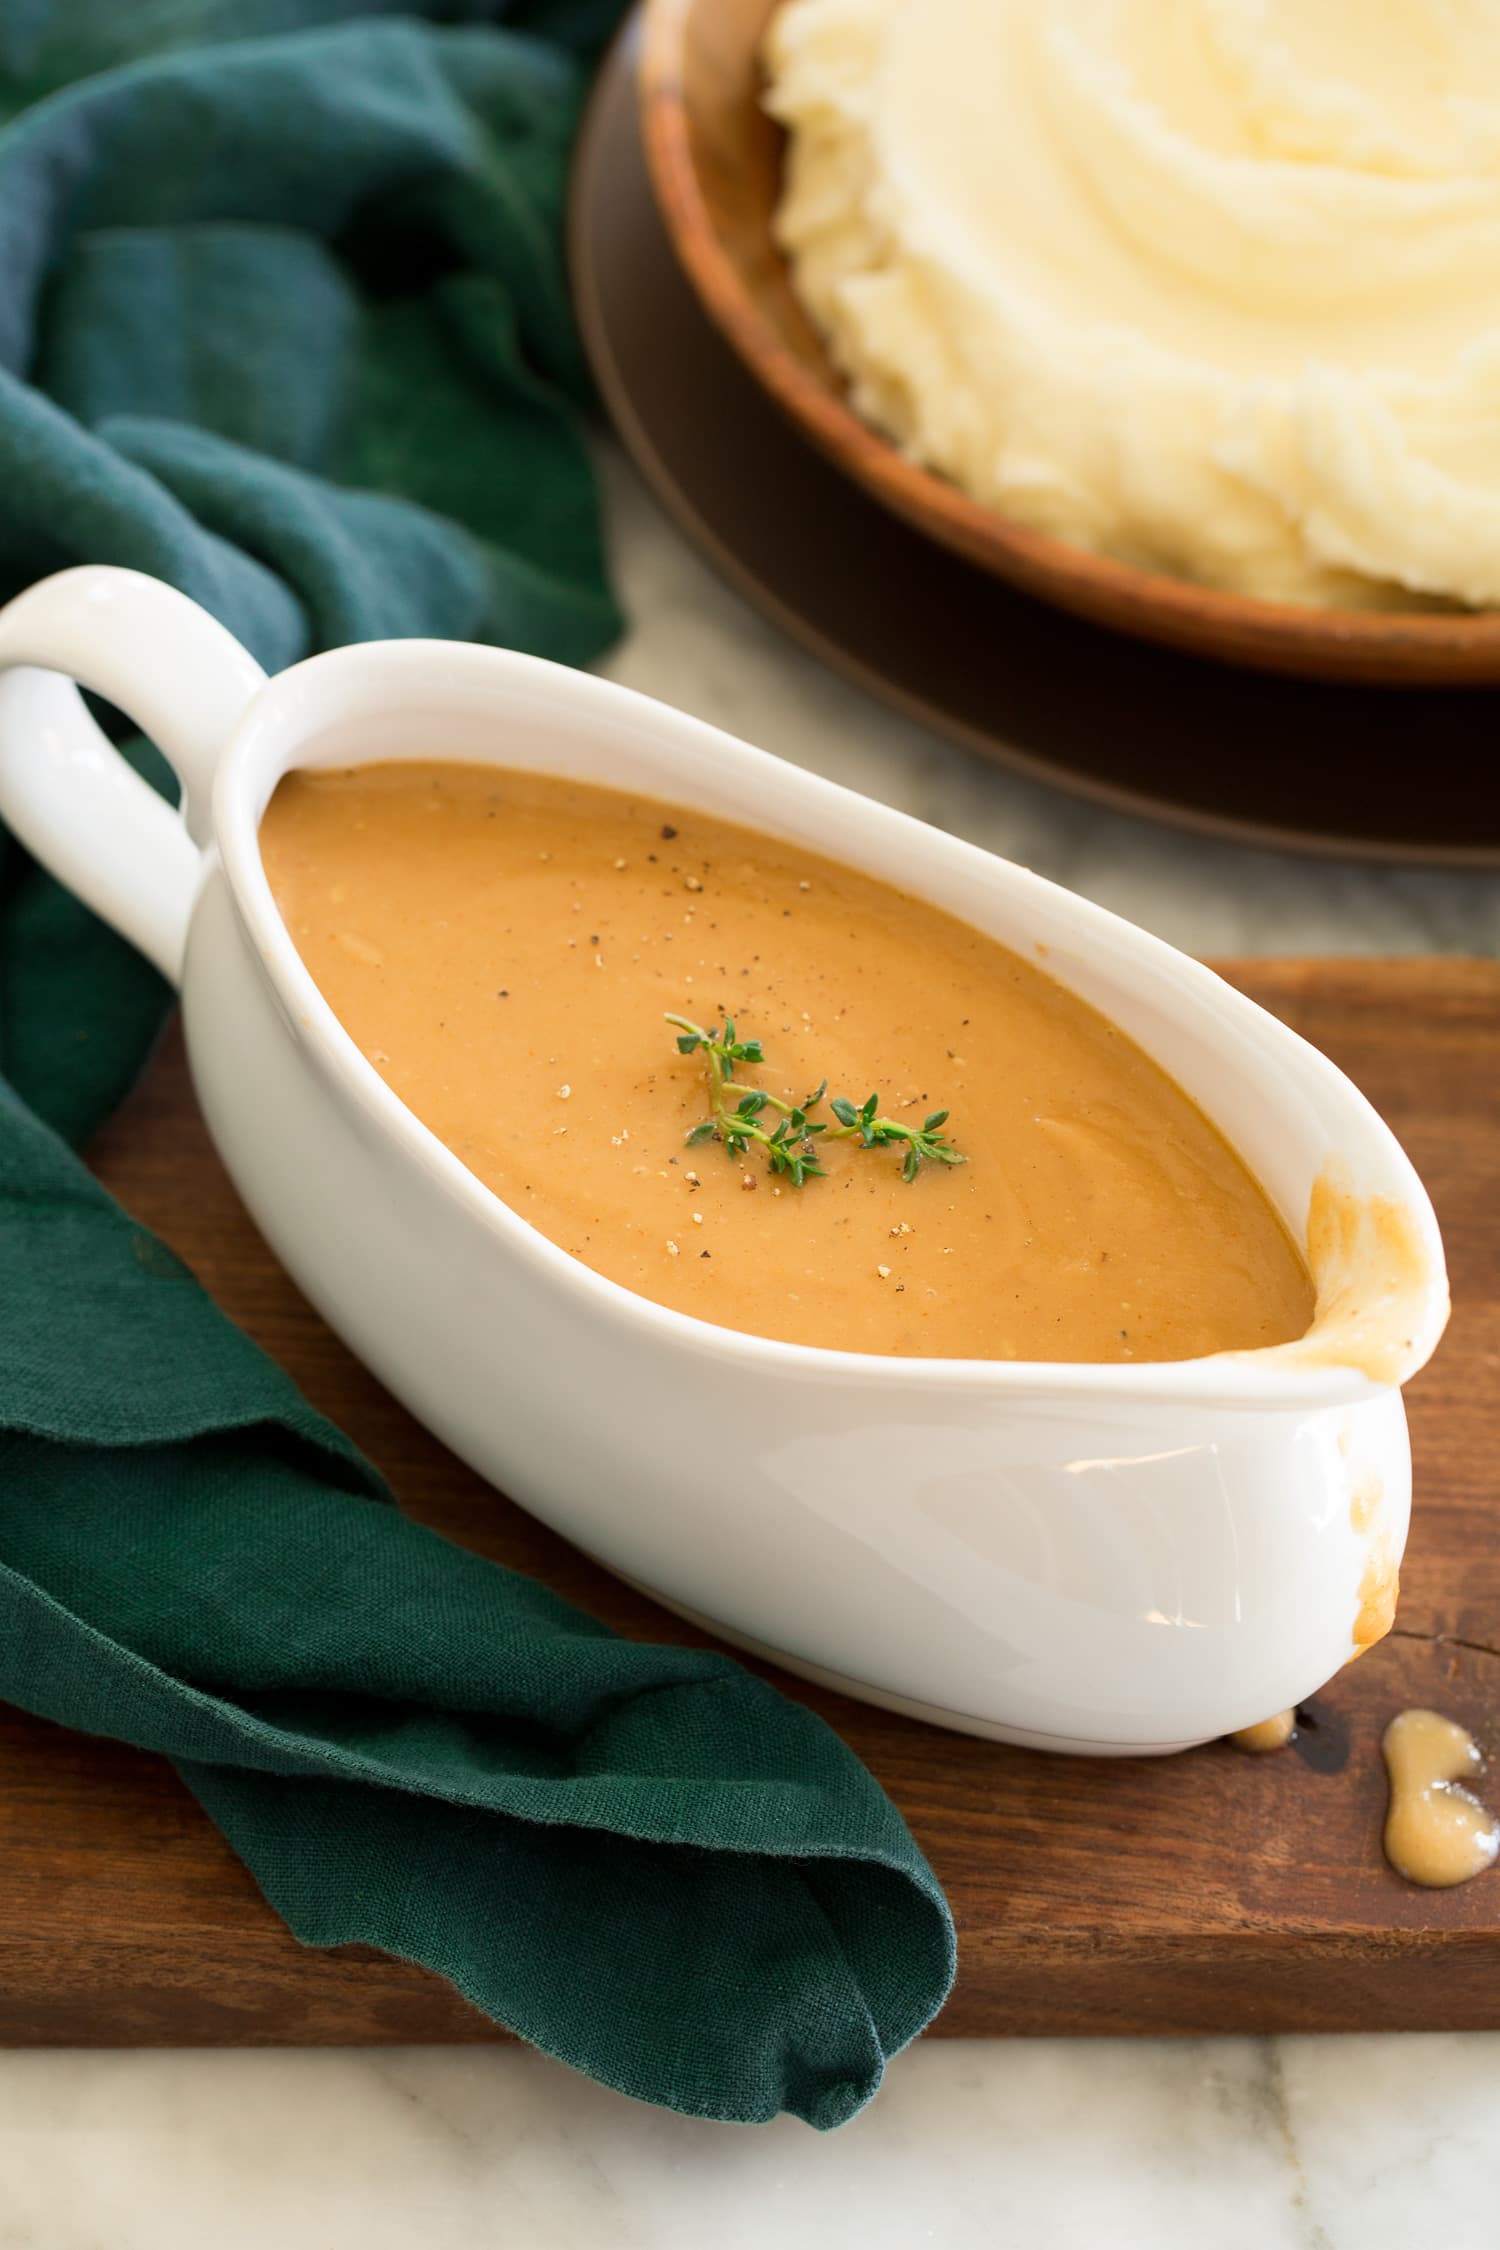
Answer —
695 643
1298 2144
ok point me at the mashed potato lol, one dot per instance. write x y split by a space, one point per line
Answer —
1212 286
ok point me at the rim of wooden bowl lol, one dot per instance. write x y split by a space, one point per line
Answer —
1401 648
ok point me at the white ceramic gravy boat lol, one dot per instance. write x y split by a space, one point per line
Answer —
1085 1558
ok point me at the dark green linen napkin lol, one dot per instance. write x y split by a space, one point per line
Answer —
283 321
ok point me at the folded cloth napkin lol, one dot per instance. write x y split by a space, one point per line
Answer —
283 321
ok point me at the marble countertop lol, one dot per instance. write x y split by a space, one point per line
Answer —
1289 2144
696 643
1237 2144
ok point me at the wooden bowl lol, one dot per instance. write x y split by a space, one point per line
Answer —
715 160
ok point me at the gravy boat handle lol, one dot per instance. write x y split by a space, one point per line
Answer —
65 790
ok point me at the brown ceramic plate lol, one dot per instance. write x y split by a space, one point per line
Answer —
715 158
1374 773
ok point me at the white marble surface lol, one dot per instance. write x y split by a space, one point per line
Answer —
1292 2144
696 643
1295 2144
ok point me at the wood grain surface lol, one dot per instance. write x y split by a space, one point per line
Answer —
1209 1892
716 161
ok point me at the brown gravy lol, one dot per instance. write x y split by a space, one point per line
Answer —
1437 1832
1267 1734
503 946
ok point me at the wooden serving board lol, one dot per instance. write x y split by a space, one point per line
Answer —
1209 1892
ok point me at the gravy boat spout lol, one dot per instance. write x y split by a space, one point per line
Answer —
1104 1559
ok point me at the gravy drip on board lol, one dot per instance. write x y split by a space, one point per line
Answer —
1267 1734
1437 1832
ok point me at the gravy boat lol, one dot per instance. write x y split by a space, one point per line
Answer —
1102 1559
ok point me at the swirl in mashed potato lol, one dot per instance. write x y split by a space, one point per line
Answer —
1212 286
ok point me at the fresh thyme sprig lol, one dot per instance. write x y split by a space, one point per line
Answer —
790 1143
